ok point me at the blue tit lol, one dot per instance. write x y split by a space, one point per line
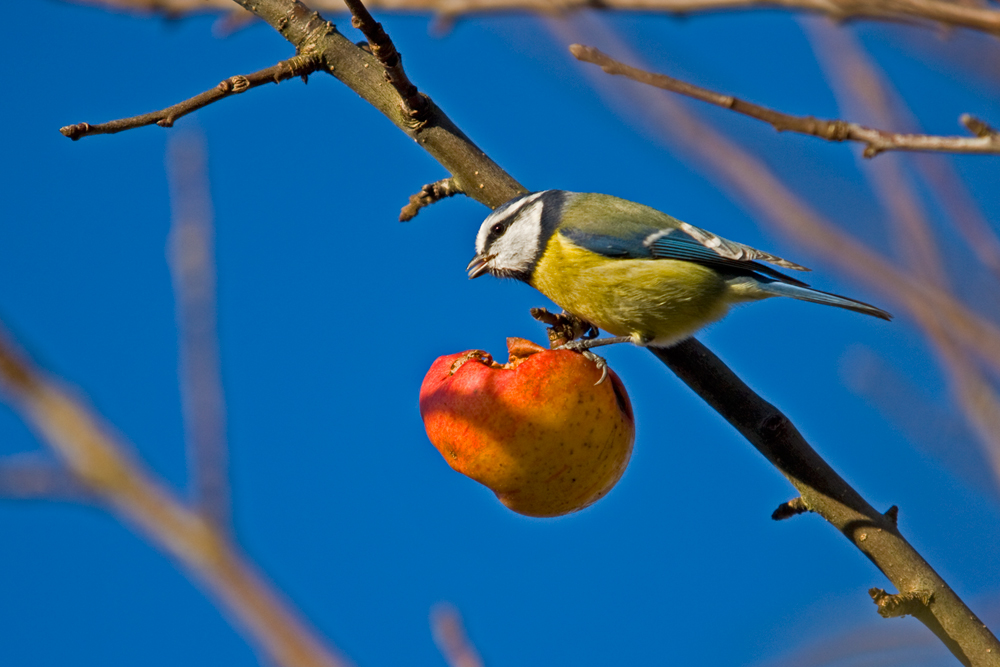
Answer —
631 270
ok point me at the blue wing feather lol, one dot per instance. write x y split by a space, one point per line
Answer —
676 244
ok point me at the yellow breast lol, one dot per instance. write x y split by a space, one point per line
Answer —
657 302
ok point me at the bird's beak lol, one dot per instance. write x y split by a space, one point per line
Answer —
477 266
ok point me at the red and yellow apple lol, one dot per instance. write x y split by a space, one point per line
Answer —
537 430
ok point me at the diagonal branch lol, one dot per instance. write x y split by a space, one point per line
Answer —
825 492
986 141
297 66
769 430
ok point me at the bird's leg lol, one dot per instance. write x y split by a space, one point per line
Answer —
583 347
569 332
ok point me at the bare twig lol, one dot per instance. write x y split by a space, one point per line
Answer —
300 65
430 193
793 507
449 634
103 465
192 266
876 141
926 12
414 104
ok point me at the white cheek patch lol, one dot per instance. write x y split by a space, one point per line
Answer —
502 215
518 249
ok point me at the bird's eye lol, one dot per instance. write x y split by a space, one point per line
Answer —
497 228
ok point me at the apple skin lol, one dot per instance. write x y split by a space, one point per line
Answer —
537 431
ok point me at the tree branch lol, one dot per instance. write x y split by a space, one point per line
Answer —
924 12
767 429
472 171
825 492
234 85
986 141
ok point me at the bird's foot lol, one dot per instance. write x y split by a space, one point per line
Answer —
564 327
583 347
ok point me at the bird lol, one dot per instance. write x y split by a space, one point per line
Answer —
631 270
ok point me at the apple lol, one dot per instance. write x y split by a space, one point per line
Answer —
537 430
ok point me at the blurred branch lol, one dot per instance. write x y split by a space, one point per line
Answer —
929 423
986 140
191 259
29 477
855 78
102 465
450 637
298 66
754 183
821 489
930 12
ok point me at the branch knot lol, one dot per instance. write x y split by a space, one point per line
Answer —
901 604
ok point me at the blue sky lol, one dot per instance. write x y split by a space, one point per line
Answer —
330 312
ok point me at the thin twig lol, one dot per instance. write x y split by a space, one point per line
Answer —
876 141
414 104
793 507
755 183
300 65
192 266
430 193
925 12
105 468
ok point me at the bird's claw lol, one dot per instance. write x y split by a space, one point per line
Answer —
582 346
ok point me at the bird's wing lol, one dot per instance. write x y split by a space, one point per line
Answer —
729 249
646 242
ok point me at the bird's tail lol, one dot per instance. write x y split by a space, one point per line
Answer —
777 288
